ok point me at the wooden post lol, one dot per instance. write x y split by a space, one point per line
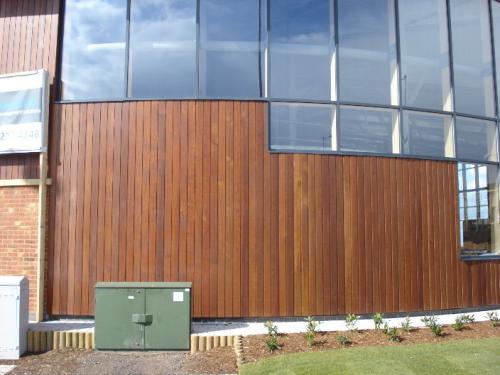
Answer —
56 341
202 343
194 344
43 342
30 342
36 342
42 204
209 342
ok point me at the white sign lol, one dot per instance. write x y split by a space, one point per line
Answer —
178 296
23 112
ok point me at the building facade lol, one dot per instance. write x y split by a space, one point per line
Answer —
290 158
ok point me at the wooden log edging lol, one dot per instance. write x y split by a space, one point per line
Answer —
45 341
206 343
238 350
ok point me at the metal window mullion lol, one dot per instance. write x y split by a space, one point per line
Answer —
493 52
60 49
399 73
268 74
335 20
452 77
127 51
496 94
198 55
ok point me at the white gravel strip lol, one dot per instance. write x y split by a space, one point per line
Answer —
64 325
247 328
4 369
299 326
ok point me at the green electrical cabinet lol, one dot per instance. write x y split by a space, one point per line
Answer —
142 316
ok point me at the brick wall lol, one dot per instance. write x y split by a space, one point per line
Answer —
18 234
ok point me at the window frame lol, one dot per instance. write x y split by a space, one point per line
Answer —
461 256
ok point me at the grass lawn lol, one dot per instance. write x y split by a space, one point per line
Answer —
453 357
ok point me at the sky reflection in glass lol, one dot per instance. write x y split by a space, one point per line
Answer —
367 51
301 45
472 57
163 48
425 68
93 65
230 63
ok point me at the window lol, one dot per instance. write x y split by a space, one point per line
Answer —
472 57
230 64
162 61
303 127
302 62
93 65
426 134
369 130
476 139
478 209
425 65
367 51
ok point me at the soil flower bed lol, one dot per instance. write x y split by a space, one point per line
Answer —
255 349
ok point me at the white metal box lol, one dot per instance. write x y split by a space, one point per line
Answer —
14 299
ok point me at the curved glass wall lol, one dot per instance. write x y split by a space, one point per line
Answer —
391 77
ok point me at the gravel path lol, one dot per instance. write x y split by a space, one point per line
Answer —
101 363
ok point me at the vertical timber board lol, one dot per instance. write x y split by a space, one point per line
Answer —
163 191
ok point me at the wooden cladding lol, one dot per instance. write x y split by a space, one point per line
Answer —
28 41
187 191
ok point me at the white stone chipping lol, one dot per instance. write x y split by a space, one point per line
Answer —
252 327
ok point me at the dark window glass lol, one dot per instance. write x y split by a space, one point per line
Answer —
425 68
426 134
93 64
367 130
367 51
472 57
301 49
302 126
496 25
230 64
163 48
476 139
478 209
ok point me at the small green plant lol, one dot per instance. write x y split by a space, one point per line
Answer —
494 319
272 336
461 321
392 333
311 330
468 319
343 340
459 324
406 325
431 322
378 320
351 322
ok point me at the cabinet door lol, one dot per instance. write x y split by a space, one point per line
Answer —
171 319
114 325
